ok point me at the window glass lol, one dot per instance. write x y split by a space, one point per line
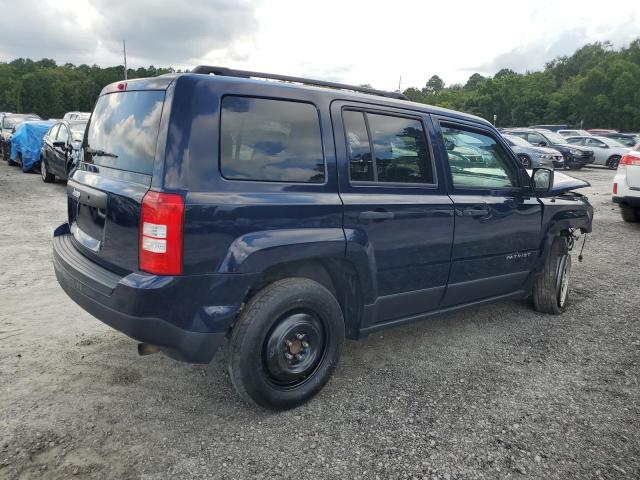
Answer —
63 134
400 149
575 141
124 130
535 138
270 140
594 142
358 148
53 132
477 160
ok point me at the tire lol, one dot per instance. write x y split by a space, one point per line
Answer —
574 166
630 214
272 361
525 161
11 162
551 288
44 173
613 162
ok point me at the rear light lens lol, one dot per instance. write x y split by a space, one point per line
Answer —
161 225
615 188
630 159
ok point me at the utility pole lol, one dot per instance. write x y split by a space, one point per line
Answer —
124 51
400 84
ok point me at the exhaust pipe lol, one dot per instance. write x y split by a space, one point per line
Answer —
147 349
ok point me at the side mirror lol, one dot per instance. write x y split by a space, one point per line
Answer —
449 145
542 144
542 179
60 144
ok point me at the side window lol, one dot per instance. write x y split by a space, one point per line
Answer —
594 142
400 149
477 160
270 140
358 147
535 139
575 141
63 134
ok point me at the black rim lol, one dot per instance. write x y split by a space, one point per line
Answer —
294 348
525 162
613 165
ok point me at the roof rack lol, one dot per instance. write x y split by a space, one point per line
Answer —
229 72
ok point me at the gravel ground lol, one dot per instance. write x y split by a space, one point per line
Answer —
496 392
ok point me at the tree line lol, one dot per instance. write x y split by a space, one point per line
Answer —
597 86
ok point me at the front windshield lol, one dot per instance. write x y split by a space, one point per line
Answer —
517 141
553 137
77 130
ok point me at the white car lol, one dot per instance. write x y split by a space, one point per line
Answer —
626 186
607 151
574 133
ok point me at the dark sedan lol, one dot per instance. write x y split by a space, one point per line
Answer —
61 148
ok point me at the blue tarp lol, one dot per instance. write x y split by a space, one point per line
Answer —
27 140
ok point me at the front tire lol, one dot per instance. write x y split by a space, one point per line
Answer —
286 344
630 214
551 288
44 173
525 161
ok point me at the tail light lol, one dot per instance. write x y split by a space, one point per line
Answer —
630 159
615 188
161 224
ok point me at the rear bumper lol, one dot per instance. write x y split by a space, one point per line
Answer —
183 315
627 201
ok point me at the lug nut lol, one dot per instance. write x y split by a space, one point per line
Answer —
287 343
298 357
288 356
305 344
300 336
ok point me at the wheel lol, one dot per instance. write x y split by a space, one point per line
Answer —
551 288
44 173
525 160
630 214
286 344
613 162
574 166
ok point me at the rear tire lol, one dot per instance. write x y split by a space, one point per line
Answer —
286 344
44 173
575 166
551 288
613 162
630 214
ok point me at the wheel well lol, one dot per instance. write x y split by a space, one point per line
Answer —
611 157
339 277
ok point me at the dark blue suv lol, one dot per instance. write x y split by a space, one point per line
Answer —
283 216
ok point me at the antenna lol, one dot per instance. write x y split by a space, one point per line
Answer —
400 85
124 51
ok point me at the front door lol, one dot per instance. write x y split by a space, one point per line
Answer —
395 207
60 153
497 217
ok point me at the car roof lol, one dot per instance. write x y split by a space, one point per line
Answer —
164 81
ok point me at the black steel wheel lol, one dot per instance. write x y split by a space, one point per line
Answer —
286 343
47 177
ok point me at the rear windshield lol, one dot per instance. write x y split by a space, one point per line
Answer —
124 130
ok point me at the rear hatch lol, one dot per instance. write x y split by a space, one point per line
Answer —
106 191
633 175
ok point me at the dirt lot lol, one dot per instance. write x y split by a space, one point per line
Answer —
497 392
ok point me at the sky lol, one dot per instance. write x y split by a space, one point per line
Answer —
353 42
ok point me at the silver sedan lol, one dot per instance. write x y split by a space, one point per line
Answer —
607 151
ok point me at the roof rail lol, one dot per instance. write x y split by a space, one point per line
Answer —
229 72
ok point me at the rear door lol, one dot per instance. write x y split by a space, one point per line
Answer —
106 190
395 205
497 217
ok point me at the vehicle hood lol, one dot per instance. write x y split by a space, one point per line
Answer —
564 183
547 151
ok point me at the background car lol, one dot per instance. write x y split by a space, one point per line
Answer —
553 128
601 131
534 157
574 156
573 133
607 151
26 143
626 139
61 149
626 187
76 116
9 123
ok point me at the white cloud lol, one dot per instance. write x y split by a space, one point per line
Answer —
350 41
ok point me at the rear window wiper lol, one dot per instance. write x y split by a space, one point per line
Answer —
100 153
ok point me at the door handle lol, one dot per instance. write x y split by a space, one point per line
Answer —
475 212
376 215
